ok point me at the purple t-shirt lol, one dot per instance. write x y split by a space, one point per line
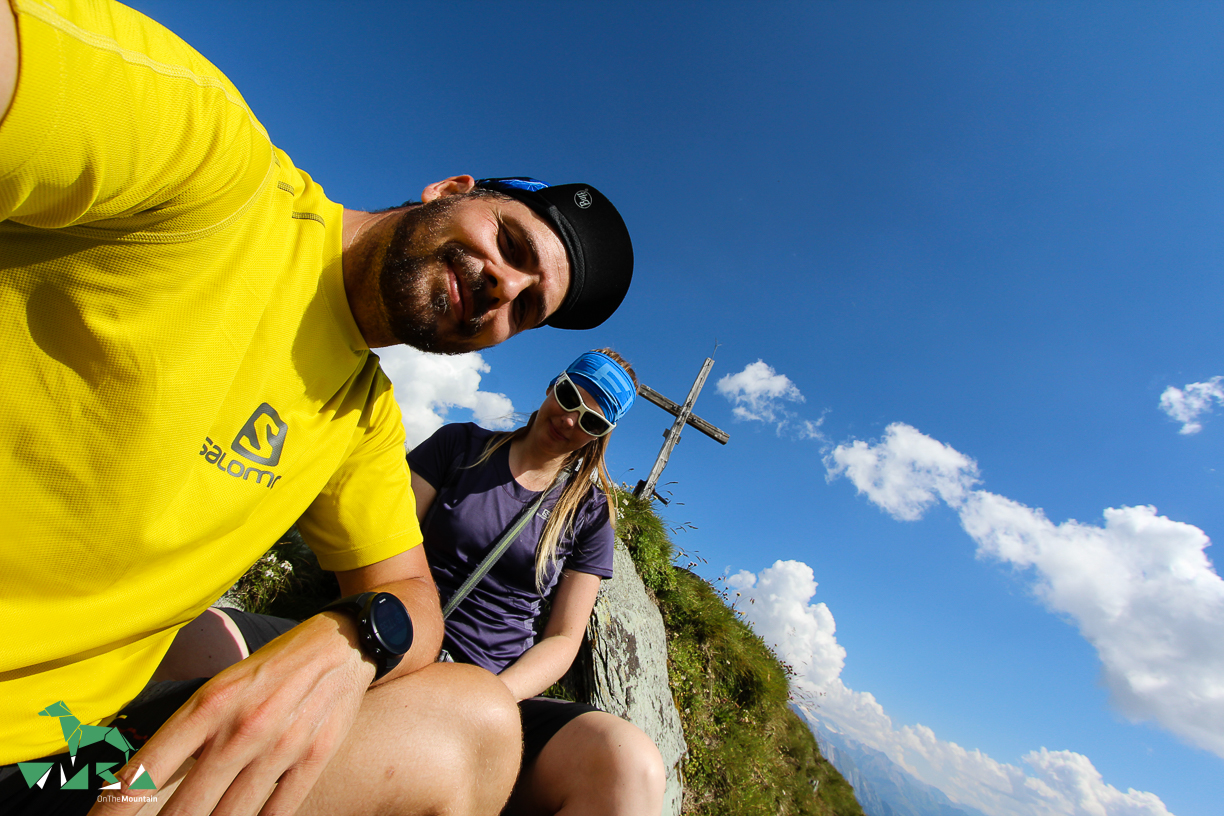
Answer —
493 625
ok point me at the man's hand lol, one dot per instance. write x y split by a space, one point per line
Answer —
266 727
263 729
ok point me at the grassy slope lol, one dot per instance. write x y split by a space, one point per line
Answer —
749 753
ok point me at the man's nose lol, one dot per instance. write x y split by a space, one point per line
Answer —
506 282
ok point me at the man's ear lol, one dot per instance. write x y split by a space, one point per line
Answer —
455 185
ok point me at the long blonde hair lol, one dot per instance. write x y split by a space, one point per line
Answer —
590 470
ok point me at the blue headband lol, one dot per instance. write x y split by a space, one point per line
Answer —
606 381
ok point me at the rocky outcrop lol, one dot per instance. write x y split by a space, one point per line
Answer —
622 668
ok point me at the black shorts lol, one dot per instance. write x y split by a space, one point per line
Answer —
258 630
59 794
542 719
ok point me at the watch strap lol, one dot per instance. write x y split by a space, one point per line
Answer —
358 608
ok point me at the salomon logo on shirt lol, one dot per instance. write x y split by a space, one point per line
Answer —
261 440
264 425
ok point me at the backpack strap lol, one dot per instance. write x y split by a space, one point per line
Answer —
503 543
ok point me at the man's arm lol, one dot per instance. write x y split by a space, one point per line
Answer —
407 577
8 58
268 725
95 136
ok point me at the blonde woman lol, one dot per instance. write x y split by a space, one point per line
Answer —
471 485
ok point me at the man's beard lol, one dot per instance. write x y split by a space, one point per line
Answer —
414 284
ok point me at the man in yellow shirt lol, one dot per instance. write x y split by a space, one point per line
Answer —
187 324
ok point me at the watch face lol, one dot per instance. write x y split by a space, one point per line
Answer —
391 624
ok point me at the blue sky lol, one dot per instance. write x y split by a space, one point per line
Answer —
980 240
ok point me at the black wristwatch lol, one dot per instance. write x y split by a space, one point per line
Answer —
384 627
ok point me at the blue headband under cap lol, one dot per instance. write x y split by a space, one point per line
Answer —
607 381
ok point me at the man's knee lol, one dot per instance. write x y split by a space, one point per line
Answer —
444 739
493 741
481 734
493 715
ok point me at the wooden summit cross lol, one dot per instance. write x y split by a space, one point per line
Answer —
684 415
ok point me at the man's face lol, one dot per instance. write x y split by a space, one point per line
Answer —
466 272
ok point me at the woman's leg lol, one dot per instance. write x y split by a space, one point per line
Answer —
596 765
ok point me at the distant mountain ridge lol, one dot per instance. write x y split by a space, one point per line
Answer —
882 787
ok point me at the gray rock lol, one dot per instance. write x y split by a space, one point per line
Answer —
622 668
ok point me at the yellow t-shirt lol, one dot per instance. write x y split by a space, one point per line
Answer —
182 377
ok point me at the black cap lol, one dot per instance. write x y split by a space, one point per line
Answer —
596 241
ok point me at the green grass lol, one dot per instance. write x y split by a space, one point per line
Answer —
749 752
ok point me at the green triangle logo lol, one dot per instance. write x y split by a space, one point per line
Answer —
103 770
143 780
35 773
78 782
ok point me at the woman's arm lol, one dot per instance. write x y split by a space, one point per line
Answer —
425 495
544 663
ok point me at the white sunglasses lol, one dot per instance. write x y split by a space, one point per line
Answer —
570 399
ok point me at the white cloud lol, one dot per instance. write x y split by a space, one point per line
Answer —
1140 589
905 473
427 386
811 430
1186 406
760 394
1057 783
1070 783
777 603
